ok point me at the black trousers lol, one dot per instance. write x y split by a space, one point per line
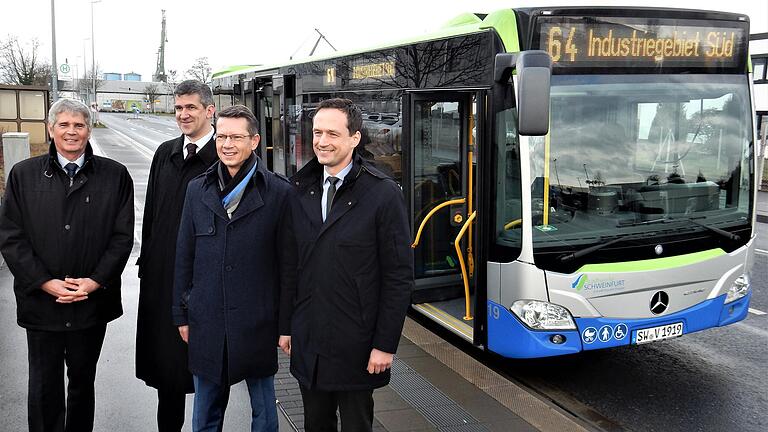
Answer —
170 410
49 351
355 409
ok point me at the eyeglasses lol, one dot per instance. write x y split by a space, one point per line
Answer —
234 138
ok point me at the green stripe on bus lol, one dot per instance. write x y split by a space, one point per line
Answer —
232 69
463 19
505 24
652 264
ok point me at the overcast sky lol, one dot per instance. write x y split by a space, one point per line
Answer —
230 32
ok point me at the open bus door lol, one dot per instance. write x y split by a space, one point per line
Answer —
442 134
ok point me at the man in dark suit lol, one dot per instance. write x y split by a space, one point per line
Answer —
227 284
66 231
349 276
161 355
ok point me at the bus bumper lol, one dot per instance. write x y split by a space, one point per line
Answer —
509 337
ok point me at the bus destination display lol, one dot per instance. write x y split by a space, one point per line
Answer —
629 42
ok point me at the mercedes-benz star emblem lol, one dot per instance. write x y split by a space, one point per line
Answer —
659 302
659 249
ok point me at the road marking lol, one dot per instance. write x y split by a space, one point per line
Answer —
761 251
96 148
139 209
143 150
756 312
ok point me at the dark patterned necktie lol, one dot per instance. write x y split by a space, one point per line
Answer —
191 150
71 169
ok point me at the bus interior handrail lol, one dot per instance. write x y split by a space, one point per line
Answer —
430 214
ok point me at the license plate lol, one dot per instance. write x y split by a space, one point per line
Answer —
658 333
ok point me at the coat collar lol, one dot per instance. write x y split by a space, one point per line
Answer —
53 159
312 172
252 200
308 179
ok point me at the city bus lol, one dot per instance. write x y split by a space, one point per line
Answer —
576 178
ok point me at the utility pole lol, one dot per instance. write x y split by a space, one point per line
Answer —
160 71
54 66
93 54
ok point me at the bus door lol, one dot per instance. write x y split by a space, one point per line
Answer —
263 112
279 148
441 125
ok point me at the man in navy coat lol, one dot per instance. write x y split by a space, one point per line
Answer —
226 287
348 277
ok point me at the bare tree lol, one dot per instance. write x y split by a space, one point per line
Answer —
151 91
172 79
200 70
20 64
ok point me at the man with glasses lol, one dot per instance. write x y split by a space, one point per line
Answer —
226 287
161 355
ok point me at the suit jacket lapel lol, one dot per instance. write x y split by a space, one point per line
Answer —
208 152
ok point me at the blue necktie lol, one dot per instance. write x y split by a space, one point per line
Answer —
71 169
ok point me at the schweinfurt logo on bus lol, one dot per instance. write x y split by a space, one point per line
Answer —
599 283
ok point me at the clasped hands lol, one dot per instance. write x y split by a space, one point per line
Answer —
70 290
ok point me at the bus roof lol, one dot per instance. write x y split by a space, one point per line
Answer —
502 21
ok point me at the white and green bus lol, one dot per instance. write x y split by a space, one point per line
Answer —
576 178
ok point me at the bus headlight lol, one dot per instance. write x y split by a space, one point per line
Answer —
739 289
540 315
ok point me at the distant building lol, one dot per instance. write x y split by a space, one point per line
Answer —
124 96
132 77
112 76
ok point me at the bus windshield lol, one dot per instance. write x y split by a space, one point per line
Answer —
628 153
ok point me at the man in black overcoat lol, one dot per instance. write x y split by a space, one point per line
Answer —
66 231
348 278
161 355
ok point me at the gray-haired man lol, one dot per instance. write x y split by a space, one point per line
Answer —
66 231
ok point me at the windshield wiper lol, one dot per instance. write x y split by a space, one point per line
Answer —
586 251
722 232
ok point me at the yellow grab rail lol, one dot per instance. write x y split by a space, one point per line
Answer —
468 312
513 224
429 215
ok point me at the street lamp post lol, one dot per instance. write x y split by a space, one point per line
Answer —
54 66
84 85
93 54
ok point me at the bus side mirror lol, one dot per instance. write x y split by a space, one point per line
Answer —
534 69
